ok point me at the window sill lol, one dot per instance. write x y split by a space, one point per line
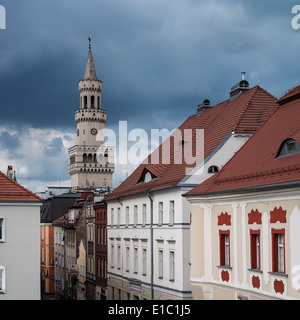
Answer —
224 267
171 280
255 270
281 274
2 291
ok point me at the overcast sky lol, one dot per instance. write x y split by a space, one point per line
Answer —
157 59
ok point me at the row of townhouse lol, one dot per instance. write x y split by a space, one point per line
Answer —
227 228
19 241
75 224
149 220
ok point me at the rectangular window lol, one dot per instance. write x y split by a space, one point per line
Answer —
43 232
144 214
2 280
160 264
135 260
255 249
2 229
119 257
127 216
127 258
119 216
278 250
112 217
112 255
224 248
135 215
160 213
172 266
171 222
144 262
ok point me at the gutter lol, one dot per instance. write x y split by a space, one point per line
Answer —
250 189
151 241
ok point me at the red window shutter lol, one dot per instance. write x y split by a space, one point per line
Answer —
274 251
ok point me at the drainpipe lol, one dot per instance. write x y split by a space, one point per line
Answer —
151 242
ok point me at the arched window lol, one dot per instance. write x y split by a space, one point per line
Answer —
93 102
213 169
90 157
84 157
98 102
85 102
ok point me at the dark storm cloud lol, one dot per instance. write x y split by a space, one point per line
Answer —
157 59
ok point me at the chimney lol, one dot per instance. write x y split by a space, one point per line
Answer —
10 172
239 88
202 106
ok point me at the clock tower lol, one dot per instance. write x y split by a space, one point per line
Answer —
91 164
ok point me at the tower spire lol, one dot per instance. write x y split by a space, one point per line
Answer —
90 70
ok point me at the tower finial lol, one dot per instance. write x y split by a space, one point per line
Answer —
90 43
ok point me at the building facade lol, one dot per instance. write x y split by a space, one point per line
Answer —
149 220
100 208
19 250
246 218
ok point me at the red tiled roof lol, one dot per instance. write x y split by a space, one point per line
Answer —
10 190
256 165
243 114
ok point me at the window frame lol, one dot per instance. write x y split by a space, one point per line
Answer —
223 234
171 212
3 279
160 213
255 252
276 260
2 229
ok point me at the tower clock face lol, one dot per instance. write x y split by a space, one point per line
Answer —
93 131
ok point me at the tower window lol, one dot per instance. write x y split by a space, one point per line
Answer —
98 102
93 102
85 102
84 157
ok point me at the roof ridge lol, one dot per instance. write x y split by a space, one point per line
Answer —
289 168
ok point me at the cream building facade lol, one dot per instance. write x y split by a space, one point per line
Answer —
245 219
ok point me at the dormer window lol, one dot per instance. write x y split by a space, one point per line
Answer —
147 176
213 169
288 147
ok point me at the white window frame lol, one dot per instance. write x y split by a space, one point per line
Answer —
127 216
135 210
3 280
144 214
144 261
172 265
136 260
160 264
172 211
160 213
2 226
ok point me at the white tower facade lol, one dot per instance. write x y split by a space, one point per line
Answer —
91 164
